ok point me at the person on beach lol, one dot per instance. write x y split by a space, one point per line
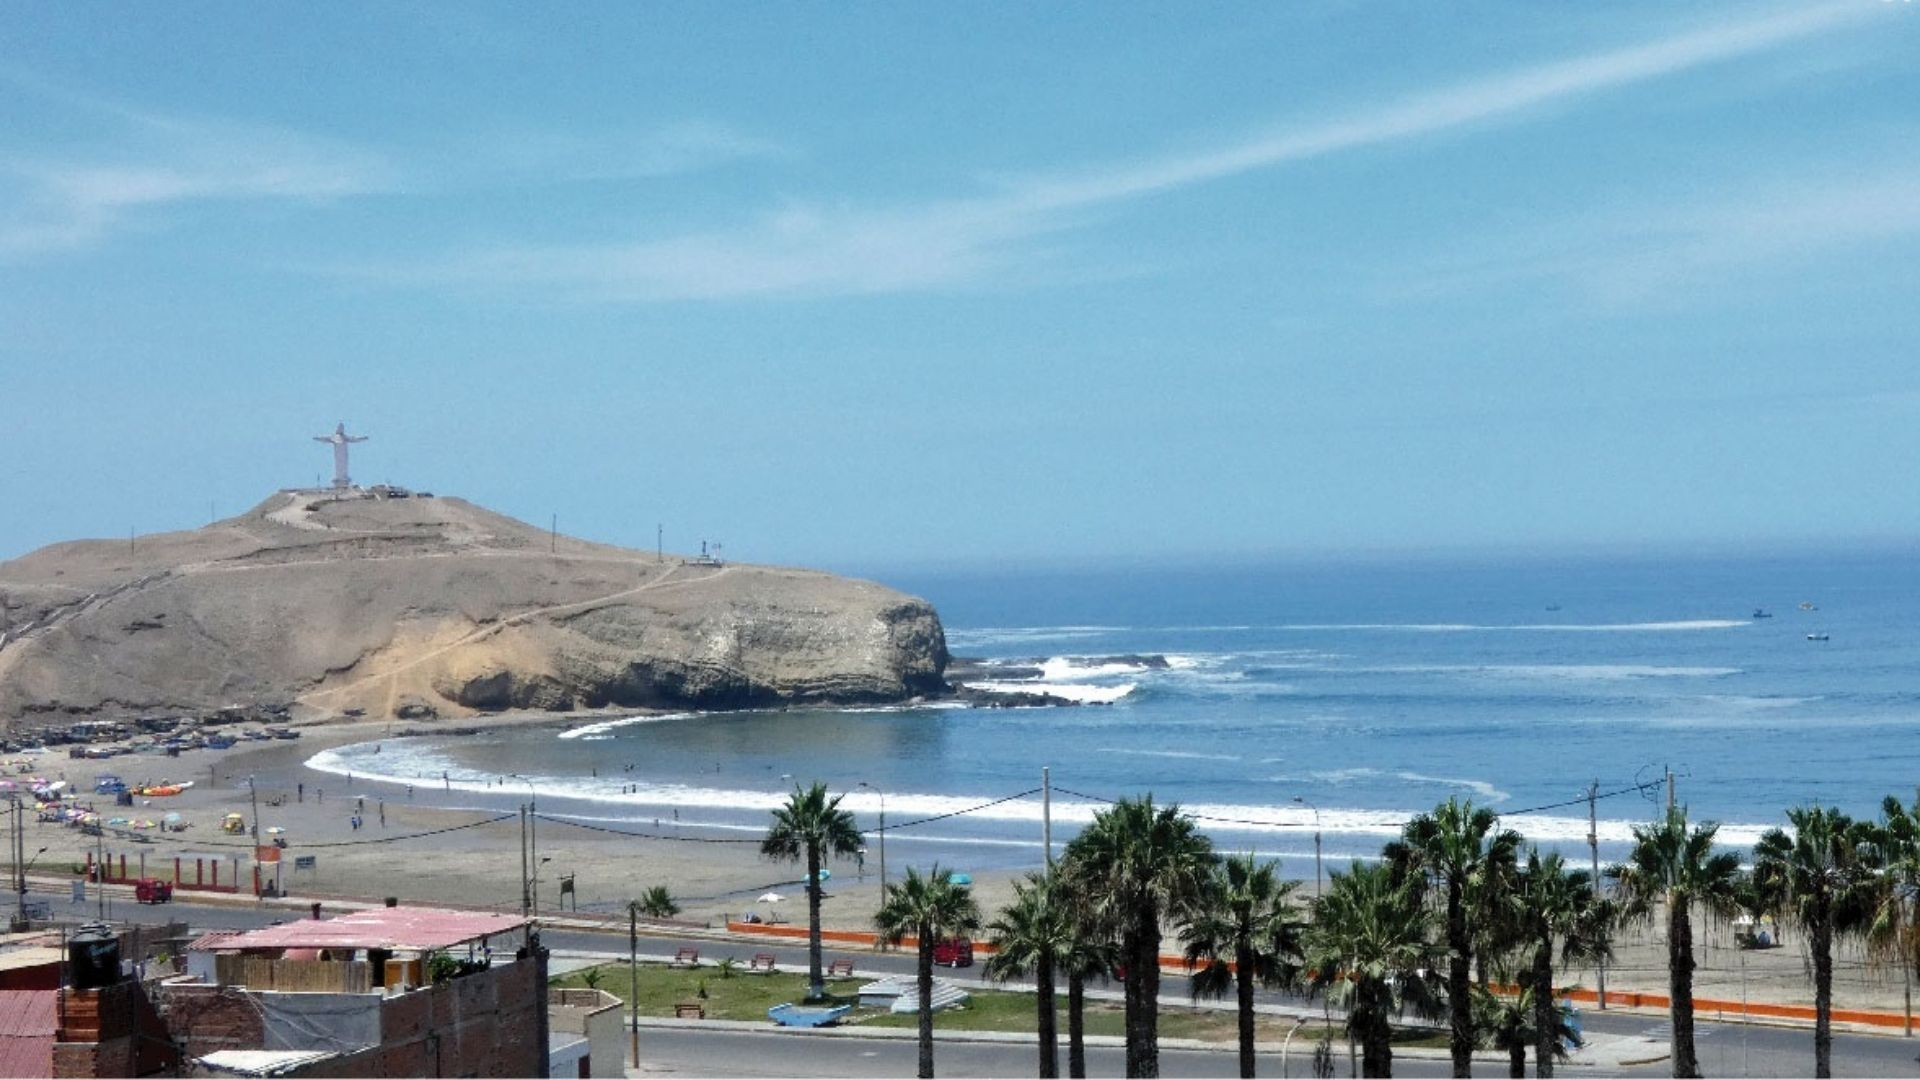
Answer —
383 813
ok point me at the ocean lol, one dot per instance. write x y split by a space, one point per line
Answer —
1298 697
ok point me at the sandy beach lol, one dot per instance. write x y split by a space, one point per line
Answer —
436 846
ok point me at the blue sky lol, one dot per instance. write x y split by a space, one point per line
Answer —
864 285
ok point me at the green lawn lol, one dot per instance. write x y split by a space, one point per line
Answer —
747 996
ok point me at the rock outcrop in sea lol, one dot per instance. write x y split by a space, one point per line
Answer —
386 603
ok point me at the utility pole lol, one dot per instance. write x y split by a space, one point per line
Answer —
17 844
253 793
526 904
1670 801
633 974
659 543
553 535
1046 812
100 862
1593 847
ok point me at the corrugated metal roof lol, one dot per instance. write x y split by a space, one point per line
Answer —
409 928
210 939
29 1012
28 1019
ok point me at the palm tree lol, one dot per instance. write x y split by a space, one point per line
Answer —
1458 850
1147 863
1371 947
1091 952
809 825
1247 928
1029 937
1894 932
1513 1025
1827 873
1675 866
657 903
931 908
1553 902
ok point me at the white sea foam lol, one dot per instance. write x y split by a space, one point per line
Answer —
420 764
1574 672
1677 624
592 731
1479 787
1084 693
1190 755
1058 668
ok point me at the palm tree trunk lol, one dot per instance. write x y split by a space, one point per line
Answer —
1376 1032
1143 994
816 986
1048 1024
1459 979
1076 1026
1546 1026
1822 932
1680 986
924 973
1243 987
1517 1059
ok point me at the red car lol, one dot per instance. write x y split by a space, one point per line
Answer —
953 952
153 891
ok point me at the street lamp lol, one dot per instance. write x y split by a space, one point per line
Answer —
883 834
1316 843
530 844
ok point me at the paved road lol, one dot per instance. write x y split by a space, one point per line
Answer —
1725 1049
716 1053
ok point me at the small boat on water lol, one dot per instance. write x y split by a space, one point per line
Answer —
1762 613
1816 637
1808 605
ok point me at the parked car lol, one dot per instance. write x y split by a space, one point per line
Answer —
153 891
953 952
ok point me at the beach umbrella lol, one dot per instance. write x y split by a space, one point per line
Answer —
172 819
960 879
771 898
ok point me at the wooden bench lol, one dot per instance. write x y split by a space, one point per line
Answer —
689 1010
761 962
688 955
840 969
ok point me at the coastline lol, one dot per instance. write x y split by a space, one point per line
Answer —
440 847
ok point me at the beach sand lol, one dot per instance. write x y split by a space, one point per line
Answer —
714 875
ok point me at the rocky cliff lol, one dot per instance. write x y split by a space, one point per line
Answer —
395 606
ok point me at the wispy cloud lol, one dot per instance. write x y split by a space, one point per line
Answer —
669 149
1676 246
145 161
837 250
132 164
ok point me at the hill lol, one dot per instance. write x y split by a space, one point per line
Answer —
392 604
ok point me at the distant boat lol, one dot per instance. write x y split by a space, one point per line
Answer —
1762 613
1808 605
1553 607
1816 637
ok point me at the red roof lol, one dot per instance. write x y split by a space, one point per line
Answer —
414 929
27 1024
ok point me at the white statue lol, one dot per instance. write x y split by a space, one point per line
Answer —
340 439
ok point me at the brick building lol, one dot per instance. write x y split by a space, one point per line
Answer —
388 992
